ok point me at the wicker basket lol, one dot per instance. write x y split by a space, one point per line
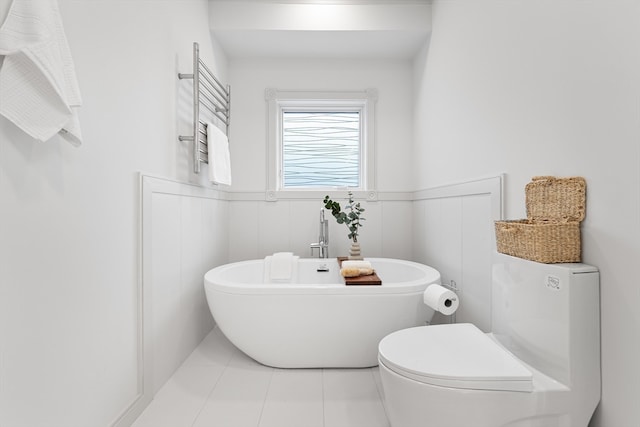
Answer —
551 232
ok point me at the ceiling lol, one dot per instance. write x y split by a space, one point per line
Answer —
320 29
318 44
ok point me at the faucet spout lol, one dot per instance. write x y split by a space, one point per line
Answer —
323 238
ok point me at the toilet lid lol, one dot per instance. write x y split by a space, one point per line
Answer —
457 356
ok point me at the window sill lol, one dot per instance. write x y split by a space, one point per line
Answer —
272 195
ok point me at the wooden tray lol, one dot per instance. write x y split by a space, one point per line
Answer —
371 279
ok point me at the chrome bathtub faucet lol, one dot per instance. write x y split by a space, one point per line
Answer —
323 238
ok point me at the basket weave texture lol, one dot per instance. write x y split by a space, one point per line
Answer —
551 232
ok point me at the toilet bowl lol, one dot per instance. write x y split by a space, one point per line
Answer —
538 367
467 379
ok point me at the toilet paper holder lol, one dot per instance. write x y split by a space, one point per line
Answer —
453 288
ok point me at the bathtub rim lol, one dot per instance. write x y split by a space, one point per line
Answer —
431 276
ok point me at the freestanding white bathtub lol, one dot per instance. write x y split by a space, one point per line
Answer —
316 321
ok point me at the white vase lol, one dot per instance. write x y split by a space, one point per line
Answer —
354 251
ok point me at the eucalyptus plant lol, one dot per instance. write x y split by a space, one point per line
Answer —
352 218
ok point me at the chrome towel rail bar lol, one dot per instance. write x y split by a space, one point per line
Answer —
215 100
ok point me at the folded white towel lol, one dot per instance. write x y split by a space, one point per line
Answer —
280 267
219 155
38 85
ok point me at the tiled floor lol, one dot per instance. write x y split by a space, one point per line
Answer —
219 386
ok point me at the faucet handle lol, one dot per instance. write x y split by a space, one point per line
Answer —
315 246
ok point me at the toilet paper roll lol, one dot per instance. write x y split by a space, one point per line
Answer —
441 299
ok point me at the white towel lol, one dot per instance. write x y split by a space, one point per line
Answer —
280 267
38 87
219 156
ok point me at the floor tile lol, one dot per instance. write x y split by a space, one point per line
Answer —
351 399
219 386
376 376
294 399
215 349
238 397
180 400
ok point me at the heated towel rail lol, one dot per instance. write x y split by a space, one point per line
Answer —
215 100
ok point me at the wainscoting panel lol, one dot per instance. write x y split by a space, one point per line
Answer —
454 233
189 236
260 228
184 233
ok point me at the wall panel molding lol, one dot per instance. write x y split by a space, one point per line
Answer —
453 232
184 196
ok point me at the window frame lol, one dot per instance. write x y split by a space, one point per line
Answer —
289 100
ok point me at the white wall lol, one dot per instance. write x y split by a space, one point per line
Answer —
526 88
69 222
260 228
393 80
547 88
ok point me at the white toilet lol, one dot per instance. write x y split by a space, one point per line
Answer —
540 366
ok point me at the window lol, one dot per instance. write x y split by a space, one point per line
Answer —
320 141
320 149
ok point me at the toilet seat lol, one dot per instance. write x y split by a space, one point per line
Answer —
455 356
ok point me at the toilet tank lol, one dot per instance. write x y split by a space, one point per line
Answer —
548 315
